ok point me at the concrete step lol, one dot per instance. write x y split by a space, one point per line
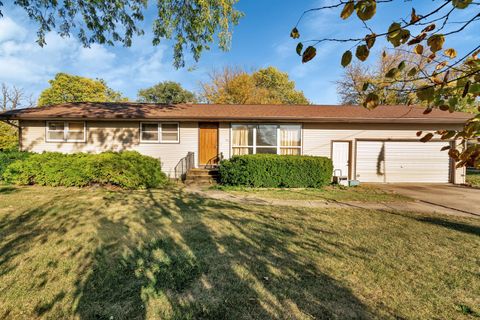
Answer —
202 176
202 172
200 180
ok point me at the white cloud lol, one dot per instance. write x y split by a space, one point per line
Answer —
96 57
25 64
10 30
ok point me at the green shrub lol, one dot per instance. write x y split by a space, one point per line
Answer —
7 157
275 171
127 169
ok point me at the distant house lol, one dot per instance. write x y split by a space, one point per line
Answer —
372 146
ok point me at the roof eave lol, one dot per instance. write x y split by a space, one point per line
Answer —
257 119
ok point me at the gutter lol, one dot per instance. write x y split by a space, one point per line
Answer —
263 119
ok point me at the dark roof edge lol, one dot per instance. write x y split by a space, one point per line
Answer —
272 119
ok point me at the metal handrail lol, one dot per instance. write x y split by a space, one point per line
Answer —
210 163
184 165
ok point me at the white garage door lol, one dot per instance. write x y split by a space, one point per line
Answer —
402 161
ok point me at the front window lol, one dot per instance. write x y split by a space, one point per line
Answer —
170 132
243 139
266 138
149 132
290 139
159 132
66 131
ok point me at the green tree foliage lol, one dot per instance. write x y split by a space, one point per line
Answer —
69 88
279 87
448 81
192 24
8 137
166 92
264 86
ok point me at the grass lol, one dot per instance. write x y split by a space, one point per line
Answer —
473 179
363 193
166 254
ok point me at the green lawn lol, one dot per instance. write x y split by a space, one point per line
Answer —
473 179
364 193
166 254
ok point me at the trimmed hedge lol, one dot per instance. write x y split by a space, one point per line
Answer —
276 171
128 169
9 156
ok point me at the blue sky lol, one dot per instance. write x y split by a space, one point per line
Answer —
261 39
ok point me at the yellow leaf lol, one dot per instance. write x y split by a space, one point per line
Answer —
435 42
451 53
427 137
299 48
370 40
441 65
346 58
418 49
414 17
294 33
347 10
461 4
309 54
362 52
371 101
429 28
366 9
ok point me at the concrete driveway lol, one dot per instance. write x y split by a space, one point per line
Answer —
447 196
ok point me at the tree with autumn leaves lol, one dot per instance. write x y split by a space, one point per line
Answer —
264 86
446 79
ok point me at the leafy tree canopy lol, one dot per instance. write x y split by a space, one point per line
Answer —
70 88
264 86
447 79
12 98
192 24
166 92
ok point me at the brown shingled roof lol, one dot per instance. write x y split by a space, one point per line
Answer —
215 112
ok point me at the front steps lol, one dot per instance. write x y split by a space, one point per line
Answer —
202 176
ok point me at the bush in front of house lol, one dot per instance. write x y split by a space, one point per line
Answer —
276 171
9 156
128 169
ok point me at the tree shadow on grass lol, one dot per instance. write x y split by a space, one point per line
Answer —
457 226
172 259
7 189
165 254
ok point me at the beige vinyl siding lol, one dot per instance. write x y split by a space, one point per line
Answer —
171 153
124 135
224 139
317 138
114 136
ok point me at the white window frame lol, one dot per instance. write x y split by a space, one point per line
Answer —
65 132
278 146
160 138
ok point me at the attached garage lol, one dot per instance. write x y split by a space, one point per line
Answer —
402 161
